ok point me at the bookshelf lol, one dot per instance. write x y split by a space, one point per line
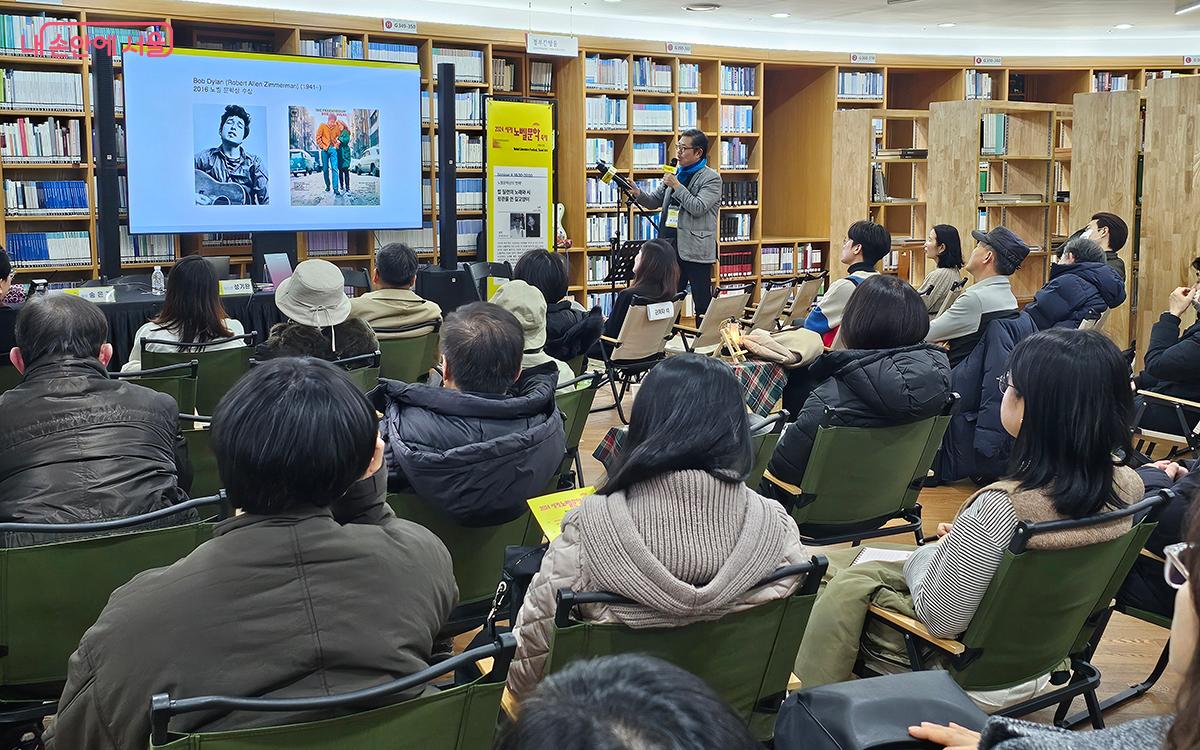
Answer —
1014 162
1108 128
1060 196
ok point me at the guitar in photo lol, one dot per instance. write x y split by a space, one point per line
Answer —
228 174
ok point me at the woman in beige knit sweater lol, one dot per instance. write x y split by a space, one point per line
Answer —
943 245
673 527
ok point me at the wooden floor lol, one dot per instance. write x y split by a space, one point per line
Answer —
1130 648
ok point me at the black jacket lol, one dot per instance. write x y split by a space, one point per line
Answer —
476 457
865 388
1074 293
571 332
354 338
1173 360
76 446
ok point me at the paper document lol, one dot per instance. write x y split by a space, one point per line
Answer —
548 510
874 554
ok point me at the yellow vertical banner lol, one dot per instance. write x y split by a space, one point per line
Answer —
520 173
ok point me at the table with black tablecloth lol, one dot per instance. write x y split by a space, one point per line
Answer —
134 308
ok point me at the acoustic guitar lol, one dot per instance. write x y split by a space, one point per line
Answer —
222 193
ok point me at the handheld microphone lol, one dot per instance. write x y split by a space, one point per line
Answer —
608 173
671 168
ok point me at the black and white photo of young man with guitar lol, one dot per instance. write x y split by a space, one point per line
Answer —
228 174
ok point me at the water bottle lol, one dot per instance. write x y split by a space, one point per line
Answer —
158 282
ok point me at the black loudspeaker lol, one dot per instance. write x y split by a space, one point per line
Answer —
263 244
447 169
108 189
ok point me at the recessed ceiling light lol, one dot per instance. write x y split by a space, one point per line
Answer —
1185 6
702 7
781 15
612 1
1123 26
946 25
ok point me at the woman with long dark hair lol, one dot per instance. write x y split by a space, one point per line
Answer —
192 313
943 244
655 277
673 527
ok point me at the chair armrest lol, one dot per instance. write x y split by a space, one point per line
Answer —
610 340
789 488
1151 556
686 329
909 625
1170 399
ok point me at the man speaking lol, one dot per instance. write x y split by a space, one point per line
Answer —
689 199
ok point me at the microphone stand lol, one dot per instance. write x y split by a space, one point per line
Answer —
614 242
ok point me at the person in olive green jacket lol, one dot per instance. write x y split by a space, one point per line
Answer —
394 304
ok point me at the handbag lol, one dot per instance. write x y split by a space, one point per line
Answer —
873 714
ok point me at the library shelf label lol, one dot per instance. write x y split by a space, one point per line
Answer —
991 61
863 58
552 44
679 48
399 26
1191 59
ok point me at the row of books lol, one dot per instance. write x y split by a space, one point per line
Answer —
541 77
393 52
778 260
735 154
604 301
19 32
468 63
652 117
650 75
979 85
468 150
324 244
338 45
601 195
146 248
420 240
860 84
600 148
737 80
1110 82
40 89
735 264
689 78
468 107
606 72
601 228
467 232
737 118
469 193
504 74
605 113
45 197
648 185
1152 75
994 140
597 269
51 141
891 261
33 249
649 154
739 193
689 115
643 228
734 227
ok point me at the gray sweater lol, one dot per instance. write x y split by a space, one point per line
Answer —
1002 733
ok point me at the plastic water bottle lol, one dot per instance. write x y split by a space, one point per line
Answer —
158 282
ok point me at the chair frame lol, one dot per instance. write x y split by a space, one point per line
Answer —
698 332
754 311
246 338
193 368
595 379
789 312
430 328
626 372
163 706
482 270
1188 439
1085 678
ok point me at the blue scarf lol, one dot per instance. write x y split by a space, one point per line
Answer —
683 174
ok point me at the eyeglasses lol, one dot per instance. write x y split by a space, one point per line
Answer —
682 147
1005 382
1175 569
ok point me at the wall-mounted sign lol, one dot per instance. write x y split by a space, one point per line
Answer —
678 48
399 26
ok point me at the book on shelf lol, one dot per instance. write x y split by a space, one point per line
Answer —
650 154
467 232
601 194
118 93
336 46
393 52
325 244
541 77
468 150
597 269
655 117
1152 75
601 228
605 113
610 73
236 45
734 227
600 148
1063 196
19 33
860 84
468 107
643 228
603 301
41 89
650 75
738 80
468 63
34 249
735 264
146 248
689 115
1102 82
1012 198
994 138
45 197
776 260
739 193
120 150
648 185
878 183
809 258
420 240
689 78
504 74
737 118
979 84
468 192
735 154
50 141
891 261
902 153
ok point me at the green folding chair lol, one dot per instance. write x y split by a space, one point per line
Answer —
746 657
764 437
1059 594
177 381
458 718
575 402
54 591
409 360
10 378
219 368
578 364
477 554
206 480
845 499
363 370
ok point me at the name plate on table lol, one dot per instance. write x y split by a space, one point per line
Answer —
660 310
95 293
236 287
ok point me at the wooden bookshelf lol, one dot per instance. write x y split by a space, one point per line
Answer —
1061 223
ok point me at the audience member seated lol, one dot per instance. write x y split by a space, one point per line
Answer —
865 245
626 702
1110 232
1144 587
1173 359
529 308
655 278
74 445
673 527
394 304
473 448
309 591
191 313
319 323
943 245
570 330
997 256
1081 287
886 375
1182 730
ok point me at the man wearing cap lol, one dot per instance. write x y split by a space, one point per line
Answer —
529 306
319 323
997 256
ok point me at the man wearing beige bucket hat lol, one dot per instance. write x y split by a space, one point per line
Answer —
319 324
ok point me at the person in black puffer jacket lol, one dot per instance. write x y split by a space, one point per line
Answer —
1172 360
76 446
886 376
570 330
1082 285
473 449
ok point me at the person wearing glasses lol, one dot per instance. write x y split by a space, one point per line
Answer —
689 200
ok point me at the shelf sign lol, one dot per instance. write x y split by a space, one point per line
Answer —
863 58
678 48
988 62
95 293
552 44
1191 59
399 26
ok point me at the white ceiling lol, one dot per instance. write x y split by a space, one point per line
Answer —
983 27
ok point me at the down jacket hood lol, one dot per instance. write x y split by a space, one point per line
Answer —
1109 285
1074 293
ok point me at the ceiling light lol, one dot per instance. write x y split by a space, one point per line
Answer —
702 7
612 1
946 25
781 15
1186 6
1123 26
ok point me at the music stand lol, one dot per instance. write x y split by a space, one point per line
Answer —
622 256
